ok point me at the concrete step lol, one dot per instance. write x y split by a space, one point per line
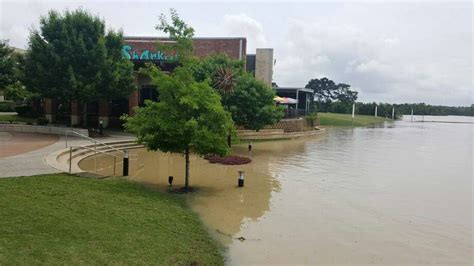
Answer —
60 159
88 150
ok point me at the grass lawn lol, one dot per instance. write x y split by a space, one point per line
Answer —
332 119
16 118
62 219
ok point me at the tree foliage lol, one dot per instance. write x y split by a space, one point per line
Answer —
180 33
326 91
189 116
71 57
251 104
207 68
248 100
7 65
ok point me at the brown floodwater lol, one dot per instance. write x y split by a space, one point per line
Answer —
399 193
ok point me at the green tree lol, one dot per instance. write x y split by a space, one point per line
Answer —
71 57
251 104
249 100
7 65
326 91
344 94
188 118
180 33
323 89
208 68
11 73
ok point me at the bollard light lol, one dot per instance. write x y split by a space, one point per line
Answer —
125 163
101 127
241 179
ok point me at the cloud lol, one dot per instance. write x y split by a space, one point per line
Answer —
244 26
377 66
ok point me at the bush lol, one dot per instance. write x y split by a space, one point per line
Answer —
227 160
42 121
7 107
26 111
311 118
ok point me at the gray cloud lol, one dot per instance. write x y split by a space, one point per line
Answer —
394 52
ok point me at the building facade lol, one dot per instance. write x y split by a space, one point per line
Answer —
141 50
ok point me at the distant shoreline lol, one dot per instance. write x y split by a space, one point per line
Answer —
451 122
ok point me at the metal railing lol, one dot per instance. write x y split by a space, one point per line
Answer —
91 139
96 142
95 157
294 113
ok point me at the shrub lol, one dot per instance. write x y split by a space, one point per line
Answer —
26 111
227 160
311 118
7 107
42 121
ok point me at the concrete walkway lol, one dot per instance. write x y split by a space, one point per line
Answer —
32 163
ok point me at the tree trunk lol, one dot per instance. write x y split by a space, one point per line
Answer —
186 177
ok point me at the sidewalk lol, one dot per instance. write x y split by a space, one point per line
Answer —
32 163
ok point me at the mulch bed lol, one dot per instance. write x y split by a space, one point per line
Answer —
228 160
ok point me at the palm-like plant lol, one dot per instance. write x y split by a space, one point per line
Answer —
223 80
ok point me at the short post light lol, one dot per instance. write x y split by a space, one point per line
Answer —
241 179
101 127
125 163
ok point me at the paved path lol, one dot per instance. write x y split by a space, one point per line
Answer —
32 163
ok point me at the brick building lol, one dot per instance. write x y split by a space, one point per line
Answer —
141 50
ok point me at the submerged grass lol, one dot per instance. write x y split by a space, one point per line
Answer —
64 219
331 119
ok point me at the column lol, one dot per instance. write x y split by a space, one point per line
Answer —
132 102
75 113
49 109
104 107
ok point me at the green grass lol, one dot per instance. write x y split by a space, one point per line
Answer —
62 219
332 119
16 118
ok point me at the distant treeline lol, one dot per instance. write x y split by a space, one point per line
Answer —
385 109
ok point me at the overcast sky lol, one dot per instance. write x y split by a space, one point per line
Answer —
390 52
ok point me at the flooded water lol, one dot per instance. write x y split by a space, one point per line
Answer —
399 193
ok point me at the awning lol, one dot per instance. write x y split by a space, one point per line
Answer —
285 100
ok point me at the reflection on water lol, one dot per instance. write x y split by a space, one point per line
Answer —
221 205
400 193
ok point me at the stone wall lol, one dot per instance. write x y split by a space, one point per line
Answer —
275 134
41 129
293 125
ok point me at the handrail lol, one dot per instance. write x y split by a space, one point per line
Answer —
94 150
91 139
95 159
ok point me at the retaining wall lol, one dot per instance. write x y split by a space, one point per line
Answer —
293 125
274 134
41 129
